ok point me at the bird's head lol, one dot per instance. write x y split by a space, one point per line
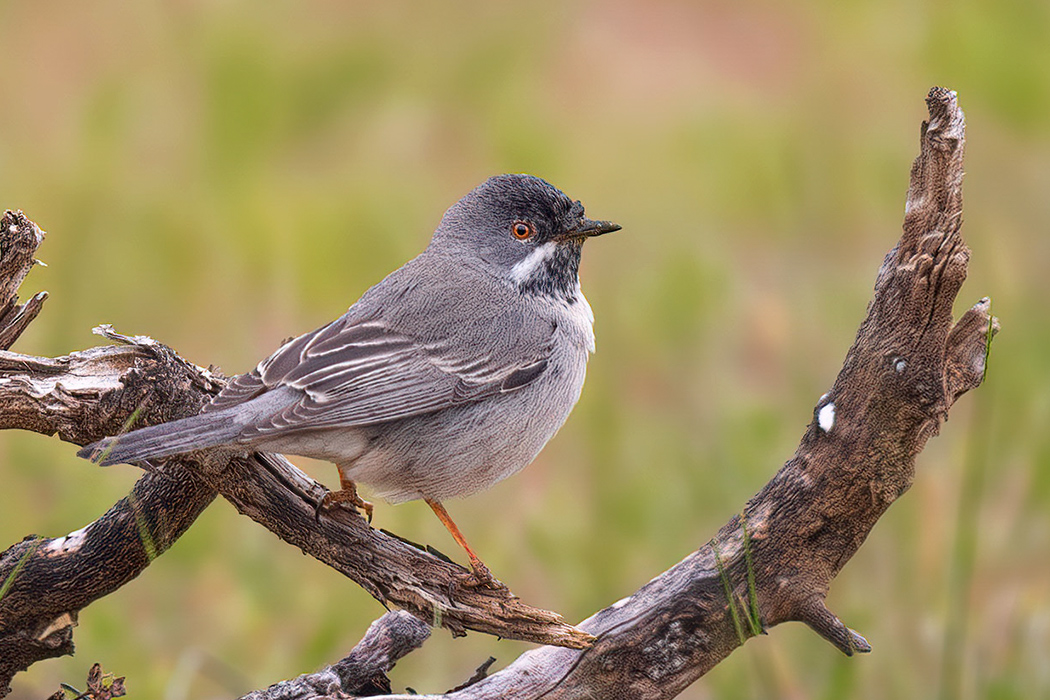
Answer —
523 230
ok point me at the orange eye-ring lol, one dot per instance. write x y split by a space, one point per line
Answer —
521 230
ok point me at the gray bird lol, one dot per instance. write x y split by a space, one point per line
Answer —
446 377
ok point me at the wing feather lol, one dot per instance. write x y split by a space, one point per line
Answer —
357 373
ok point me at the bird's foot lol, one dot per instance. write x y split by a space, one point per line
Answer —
347 495
480 577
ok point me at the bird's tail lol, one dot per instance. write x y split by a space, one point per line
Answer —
197 432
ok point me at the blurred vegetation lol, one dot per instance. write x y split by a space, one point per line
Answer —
222 175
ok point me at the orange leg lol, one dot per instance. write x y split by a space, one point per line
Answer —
482 575
347 493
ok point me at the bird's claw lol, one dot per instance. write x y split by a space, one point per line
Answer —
480 577
346 497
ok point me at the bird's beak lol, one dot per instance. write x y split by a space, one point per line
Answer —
589 228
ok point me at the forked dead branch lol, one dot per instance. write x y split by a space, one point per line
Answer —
773 563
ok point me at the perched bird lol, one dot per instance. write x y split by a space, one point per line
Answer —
446 377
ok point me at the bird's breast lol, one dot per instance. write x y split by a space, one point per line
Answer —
576 319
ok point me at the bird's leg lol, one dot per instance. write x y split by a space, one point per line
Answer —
347 493
480 576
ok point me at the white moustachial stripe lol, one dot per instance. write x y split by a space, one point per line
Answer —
523 269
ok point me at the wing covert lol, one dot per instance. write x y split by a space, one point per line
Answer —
361 372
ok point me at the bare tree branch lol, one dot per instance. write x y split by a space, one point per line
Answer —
19 239
775 562
772 563
363 671
45 582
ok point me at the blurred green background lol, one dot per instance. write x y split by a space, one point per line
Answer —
223 175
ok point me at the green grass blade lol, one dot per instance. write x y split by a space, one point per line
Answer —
10 580
729 593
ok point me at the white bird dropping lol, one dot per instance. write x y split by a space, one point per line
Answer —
826 417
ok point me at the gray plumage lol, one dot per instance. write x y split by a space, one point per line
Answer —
446 377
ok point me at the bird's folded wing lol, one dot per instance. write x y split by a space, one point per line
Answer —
356 374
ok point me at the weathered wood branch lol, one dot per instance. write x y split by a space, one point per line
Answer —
273 492
45 582
19 239
773 563
363 671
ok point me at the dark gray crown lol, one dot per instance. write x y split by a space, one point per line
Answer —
481 227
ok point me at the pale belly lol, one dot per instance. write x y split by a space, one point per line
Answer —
459 451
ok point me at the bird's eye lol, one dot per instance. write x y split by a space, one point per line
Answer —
521 230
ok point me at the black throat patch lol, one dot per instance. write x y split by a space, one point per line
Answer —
556 275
